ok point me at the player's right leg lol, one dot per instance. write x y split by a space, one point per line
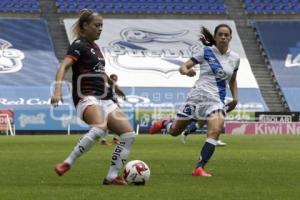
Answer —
184 115
172 127
189 129
91 113
103 140
192 127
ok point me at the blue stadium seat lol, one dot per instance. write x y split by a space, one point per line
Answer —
20 6
271 6
144 6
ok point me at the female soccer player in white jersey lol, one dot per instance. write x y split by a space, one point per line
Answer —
218 66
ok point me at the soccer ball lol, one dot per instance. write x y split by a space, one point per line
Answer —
136 172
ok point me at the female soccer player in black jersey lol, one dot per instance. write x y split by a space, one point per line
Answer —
92 98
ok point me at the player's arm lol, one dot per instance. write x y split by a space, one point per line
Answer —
234 92
109 81
187 68
63 68
118 90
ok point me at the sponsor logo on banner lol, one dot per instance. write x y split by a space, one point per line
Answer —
145 49
257 128
3 118
10 58
277 116
23 101
293 58
292 62
37 119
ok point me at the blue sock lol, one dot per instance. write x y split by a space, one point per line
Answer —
206 152
190 128
165 123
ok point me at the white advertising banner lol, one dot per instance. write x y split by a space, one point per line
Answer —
148 52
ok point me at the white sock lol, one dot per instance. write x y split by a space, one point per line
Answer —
120 154
169 127
104 136
84 144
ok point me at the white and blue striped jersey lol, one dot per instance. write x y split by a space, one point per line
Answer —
209 91
216 70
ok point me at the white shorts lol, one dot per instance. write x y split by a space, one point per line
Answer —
107 106
200 111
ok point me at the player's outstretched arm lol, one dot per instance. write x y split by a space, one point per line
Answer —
63 68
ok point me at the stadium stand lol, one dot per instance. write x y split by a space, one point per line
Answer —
282 56
145 6
31 43
23 6
272 6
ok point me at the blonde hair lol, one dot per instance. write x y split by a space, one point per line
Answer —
85 16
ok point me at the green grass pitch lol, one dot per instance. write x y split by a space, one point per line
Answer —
249 168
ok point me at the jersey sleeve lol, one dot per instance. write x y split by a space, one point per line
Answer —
198 57
75 50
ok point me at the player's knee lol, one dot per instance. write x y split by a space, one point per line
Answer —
174 132
128 135
96 133
213 133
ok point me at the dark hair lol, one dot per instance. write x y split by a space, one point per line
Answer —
85 16
207 38
112 76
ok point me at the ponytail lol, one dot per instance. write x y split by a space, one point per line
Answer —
85 16
207 38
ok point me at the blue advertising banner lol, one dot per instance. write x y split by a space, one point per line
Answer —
47 120
281 42
52 120
31 97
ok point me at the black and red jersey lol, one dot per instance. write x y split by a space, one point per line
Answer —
88 71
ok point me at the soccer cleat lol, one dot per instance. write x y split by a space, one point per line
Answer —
62 168
199 171
156 127
221 144
117 181
104 142
183 137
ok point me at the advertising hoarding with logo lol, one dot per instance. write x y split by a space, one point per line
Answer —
262 128
5 117
277 116
53 119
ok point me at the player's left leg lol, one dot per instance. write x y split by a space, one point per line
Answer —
119 124
215 123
